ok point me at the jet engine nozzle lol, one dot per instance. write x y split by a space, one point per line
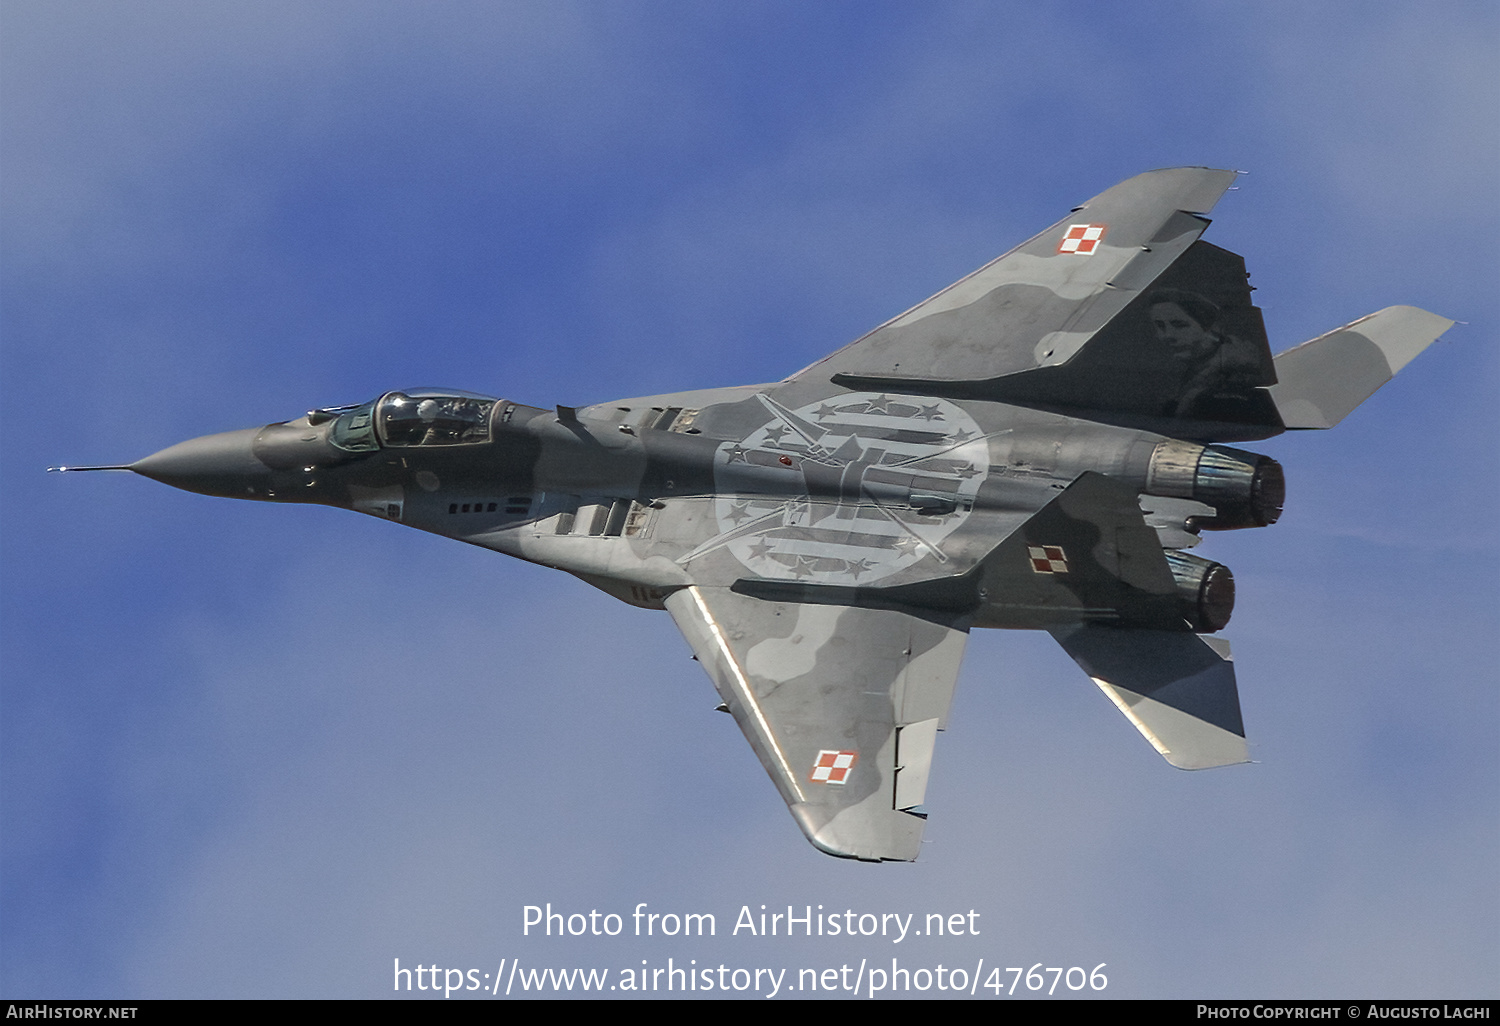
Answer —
222 464
1245 488
1205 589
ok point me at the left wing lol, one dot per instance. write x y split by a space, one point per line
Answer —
1039 304
842 705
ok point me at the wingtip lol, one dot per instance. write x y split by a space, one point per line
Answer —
849 841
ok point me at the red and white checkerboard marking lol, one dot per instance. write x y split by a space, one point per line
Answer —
1048 559
833 767
1082 239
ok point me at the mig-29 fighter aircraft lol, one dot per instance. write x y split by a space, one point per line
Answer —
1035 446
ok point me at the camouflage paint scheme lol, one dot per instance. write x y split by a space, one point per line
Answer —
1029 448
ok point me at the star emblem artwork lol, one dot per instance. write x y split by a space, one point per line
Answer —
867 530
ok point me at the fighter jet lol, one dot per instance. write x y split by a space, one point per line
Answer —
1037 446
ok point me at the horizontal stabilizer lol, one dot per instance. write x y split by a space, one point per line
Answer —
1320 381
1178 689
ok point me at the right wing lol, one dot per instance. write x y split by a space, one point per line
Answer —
841 689
842 705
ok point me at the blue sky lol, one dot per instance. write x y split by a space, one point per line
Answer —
252 750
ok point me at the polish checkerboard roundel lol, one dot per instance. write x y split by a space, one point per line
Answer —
833 767
1082 239
1048 559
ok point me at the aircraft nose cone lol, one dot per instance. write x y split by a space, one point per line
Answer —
222 464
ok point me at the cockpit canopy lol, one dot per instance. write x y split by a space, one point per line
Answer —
418 416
